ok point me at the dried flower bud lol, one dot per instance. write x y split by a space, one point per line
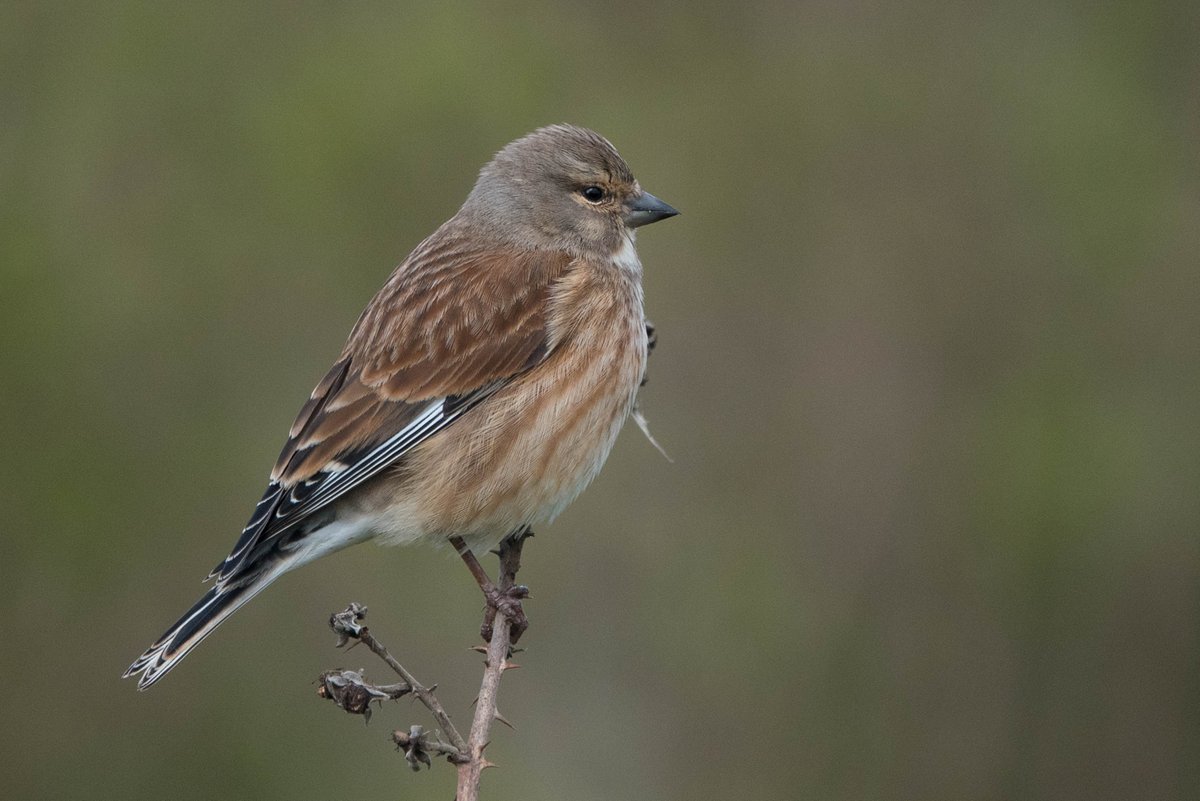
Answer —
347 624
414 746
350 691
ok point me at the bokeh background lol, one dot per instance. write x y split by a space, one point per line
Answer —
929 372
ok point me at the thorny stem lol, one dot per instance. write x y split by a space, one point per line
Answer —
469 772
424 694
467 754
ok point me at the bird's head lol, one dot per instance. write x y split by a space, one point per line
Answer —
563 186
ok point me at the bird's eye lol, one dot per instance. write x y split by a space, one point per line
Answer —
592 194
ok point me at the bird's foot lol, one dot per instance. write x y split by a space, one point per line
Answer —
506 597
506 602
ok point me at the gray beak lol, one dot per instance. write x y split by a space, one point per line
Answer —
645 209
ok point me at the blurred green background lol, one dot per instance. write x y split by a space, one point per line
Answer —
929 370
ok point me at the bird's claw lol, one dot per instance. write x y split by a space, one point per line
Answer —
508 603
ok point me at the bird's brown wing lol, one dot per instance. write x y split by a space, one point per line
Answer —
452 325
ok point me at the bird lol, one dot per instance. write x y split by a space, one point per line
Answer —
480 390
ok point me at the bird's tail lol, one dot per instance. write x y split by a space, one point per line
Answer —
201 620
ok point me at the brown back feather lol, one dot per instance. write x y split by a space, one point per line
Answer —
452 318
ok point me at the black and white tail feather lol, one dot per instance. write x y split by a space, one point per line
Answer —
284 533
198 622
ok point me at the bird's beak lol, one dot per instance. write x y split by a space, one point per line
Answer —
645 209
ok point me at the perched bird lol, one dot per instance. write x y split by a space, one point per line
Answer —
480 390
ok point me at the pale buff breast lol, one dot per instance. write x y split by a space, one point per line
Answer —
529 450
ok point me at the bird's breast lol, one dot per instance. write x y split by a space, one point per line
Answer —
526 452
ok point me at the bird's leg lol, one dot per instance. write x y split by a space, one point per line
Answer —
506 597
510 562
